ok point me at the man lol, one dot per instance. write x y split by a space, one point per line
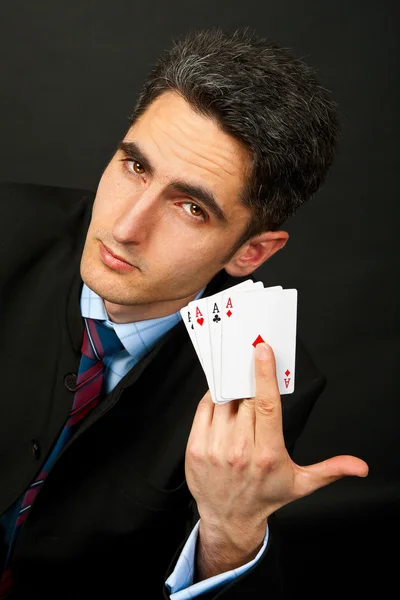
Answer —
146 488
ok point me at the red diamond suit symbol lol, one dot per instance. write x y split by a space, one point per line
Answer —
258 340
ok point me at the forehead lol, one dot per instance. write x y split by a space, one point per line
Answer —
181 143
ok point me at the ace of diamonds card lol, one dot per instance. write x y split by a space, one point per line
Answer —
269 316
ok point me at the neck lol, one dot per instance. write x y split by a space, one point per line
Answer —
119 313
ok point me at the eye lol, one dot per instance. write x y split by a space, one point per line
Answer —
194 210
137 167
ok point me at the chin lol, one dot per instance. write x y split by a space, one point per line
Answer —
94 275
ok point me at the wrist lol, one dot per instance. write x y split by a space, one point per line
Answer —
239 540
220 550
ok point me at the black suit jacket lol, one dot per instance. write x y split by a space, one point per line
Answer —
115 509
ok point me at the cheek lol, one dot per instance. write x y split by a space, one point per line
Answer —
105 208
190 260
175 254
111 189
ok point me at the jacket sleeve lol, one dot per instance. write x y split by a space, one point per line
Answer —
265 575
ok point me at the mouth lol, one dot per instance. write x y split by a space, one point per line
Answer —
116 255
114 261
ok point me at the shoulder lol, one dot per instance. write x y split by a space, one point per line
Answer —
42 200
39 211
41 220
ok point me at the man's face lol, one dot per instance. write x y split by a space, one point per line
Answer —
168 204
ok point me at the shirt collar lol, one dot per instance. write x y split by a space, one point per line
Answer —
140 335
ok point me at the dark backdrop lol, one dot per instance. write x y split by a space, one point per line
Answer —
70 73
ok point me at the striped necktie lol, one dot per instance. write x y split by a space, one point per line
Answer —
99 344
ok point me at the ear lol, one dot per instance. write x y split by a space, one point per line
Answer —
255 252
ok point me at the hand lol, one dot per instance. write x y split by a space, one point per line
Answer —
239 471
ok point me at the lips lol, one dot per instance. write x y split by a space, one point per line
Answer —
115 262
116 255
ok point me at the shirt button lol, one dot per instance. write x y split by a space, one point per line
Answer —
70 382
35 447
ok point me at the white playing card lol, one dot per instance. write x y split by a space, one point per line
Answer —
187 318
217 314
260 315
200 321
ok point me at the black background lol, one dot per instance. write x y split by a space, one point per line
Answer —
70 73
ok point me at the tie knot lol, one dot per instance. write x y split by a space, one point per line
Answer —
99 340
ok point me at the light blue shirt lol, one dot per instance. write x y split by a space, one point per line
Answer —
138 339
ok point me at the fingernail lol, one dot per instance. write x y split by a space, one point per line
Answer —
262 351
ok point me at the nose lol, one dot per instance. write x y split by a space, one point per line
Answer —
137 218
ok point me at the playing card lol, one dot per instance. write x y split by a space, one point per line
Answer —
217 312
262 315
199 327
187 318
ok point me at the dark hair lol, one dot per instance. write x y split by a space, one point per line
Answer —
269 100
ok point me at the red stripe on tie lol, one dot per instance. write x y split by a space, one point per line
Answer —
86 347
82 413
30 495
22 517
5 584
87 376
86 397
95 337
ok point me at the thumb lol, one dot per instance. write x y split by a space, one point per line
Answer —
323 473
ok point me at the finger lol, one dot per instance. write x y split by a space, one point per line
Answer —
203 418
246 419
220 437
224 413
268 410
321 474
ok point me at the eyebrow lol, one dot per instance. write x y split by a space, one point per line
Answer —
132 150
197 192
